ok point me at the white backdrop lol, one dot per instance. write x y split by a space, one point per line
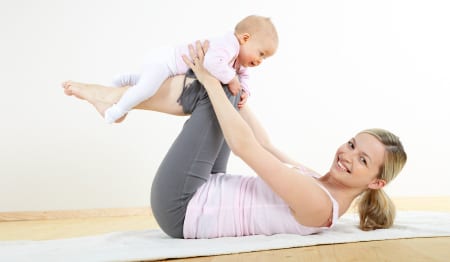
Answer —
342 66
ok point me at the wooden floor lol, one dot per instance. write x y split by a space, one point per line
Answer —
417 249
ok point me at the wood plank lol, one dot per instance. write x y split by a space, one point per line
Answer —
74 227
68 214
415 249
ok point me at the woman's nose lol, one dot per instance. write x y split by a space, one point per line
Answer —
347 157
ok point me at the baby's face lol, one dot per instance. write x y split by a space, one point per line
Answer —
255 50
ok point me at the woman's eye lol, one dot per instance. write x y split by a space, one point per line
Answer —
363 160
350 144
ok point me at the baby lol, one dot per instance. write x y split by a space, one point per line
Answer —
254 39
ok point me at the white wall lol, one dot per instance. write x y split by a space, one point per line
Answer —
342 66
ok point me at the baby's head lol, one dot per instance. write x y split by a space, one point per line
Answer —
258 40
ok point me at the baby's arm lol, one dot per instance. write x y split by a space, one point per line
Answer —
234 85
219 60
217 63
243 99
243 79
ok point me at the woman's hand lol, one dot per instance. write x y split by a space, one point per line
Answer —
195 62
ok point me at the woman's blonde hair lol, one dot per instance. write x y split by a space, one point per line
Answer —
376 209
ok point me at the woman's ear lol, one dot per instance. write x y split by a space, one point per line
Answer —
243 38
377 184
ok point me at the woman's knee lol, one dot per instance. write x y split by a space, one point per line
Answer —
193 93
169 217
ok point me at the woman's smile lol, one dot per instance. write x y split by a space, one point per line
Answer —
341 166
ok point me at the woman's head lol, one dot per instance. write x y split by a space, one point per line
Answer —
369 160
394 155
375 208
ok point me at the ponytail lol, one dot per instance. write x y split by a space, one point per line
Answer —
376 210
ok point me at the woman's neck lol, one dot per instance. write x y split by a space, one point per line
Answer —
344 195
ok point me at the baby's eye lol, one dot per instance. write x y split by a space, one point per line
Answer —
261 54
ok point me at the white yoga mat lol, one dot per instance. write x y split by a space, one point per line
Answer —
153 244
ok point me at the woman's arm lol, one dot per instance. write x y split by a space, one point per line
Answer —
263 138
310 205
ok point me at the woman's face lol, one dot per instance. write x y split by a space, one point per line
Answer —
357 163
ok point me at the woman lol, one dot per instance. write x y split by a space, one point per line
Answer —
192 198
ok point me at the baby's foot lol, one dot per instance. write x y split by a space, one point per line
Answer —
114 114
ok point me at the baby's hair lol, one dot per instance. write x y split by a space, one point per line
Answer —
255 25
376 209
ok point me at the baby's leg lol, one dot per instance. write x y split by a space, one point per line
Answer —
128 79
155 71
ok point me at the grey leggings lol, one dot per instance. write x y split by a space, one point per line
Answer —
198 151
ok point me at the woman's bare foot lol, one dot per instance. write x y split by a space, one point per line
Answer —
67 90
100 97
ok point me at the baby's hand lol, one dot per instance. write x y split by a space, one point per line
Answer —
234 86
244 96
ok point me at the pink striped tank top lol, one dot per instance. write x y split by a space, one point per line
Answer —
234 205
